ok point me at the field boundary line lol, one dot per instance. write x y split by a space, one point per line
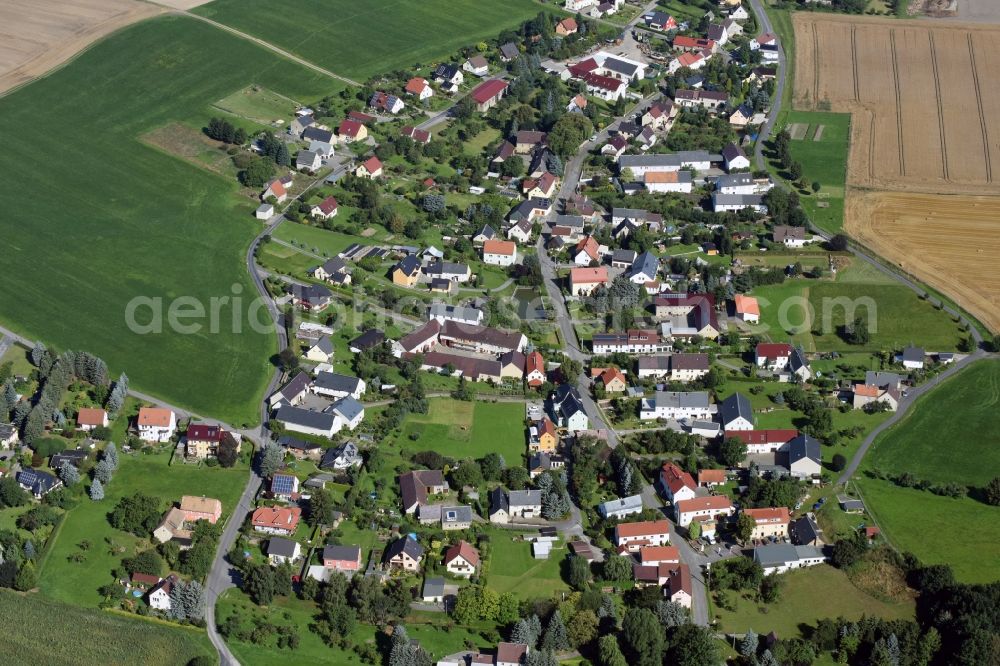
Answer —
854 61
899 107
979 105
815 66
940 106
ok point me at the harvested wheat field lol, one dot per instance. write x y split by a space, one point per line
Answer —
951 242
927 115
38 35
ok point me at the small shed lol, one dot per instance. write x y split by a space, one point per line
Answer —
264 211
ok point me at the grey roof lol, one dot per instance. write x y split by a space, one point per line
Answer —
621 504
523 209
325 344
37 481
7 430
334 265
486 231
282 547
689 362
801 447
336 382
882 379
680 399
645 264
731 152
317 134
446 71
498 500
571 221
295 386
290 442
735 406
311 292
797 360
667 159
733 180
720 199
306 418
332 552
409 264
455 312
348 408
509 51
434 587
456 514
517 498
305 157
776 554
630 213
404 545
915 354
370 338
660 362
620 66
446 267
623 256
803 530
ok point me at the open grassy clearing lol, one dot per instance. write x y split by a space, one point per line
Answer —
513 569
77 582
807 596
823 161
466 429
40 631
258 105
950 435
128 220
359 40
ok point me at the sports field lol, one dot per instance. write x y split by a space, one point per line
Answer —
88 521
40 631
98 218
359 40
951 435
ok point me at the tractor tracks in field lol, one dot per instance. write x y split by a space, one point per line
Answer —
899 103
940 107
979 105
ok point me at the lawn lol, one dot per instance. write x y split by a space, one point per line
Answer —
950 435
317 239
40 631
466 429
896 314
823 161
258 105
808 595
395 34
77 582
513 569
129 221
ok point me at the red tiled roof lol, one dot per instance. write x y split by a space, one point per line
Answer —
372 164
285 518
712 503
328 205
506 248
90 416
645 528
774 349
486 91
464 550
416 85
763 436
674 478
349 128
588 275
772 515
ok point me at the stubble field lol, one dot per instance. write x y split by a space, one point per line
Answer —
37 35
924 143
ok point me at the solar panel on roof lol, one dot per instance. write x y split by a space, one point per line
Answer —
282 484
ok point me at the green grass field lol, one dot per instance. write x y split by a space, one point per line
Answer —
362 39
899 316
807 596
824 161
258 105
108 218
465 429
513 569
950 435
77 582
40 631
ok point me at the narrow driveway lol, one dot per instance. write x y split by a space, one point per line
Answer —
764 23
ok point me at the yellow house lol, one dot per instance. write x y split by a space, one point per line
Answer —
406 272
544 438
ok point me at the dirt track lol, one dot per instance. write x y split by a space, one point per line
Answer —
38 35
950 242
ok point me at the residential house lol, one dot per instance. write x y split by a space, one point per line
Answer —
512 654
455 517
542 436
741 183
499 253
370 168
700 508
156 424
676 484
688 367
736 413
631 537
307 160
619 508
773 356
658 20
461 559
706 99
660 115
520 232
88 418
74 457
542 187
326 209
321 351
566 27
798 365
350 131
281 521
509 51
382 101
615 147
419 88
276 188
300 448
407 272
370 339
404 554
790 236
530 210
677 405
324 149
37 482
678 587
512 365
333 270
265 211
8 435
301 123
693 60
416 486
488 94
687 315
524 504
777 558
722 203
567 408
349 412
577 105
764 441
442 312
612 380
159 596
481 339
333 385
912 358
640 165
804 459
477 65
686 44
734 158
541 462
747 309
203 440
770 522
449 74
282 551
499 511
534 369
310 297
741 117
645 268
583 281
449 270
804 531
345 559
708 478
632 341
587 252
291 393
527 141
344 456
866 394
